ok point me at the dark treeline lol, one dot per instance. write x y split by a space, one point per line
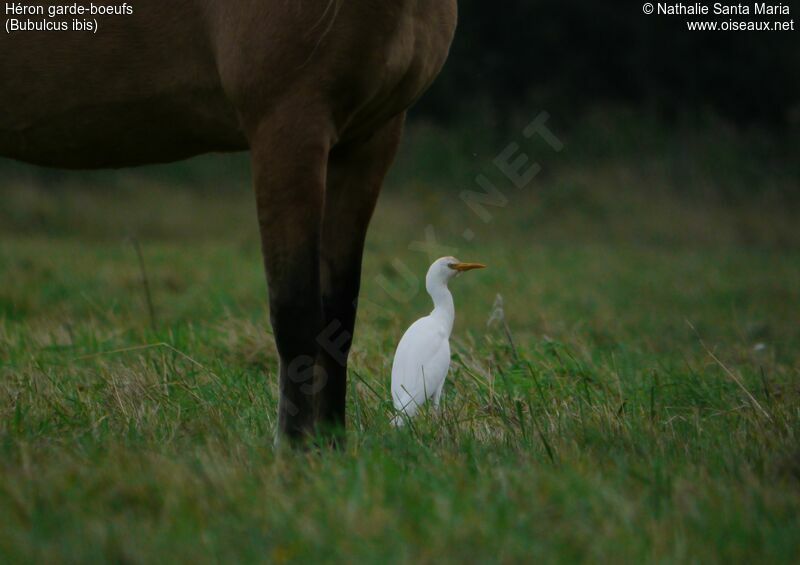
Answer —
571 56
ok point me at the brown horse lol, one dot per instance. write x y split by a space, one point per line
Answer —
316 90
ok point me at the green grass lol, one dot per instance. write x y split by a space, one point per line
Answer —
646 411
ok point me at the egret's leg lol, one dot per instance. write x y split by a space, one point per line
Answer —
437 396
289 154
356 171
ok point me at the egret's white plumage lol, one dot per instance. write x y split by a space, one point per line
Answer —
422 359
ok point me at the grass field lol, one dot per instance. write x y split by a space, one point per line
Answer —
642 407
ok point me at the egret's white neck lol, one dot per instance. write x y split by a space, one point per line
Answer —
443 307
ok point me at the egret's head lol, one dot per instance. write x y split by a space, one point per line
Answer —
446 268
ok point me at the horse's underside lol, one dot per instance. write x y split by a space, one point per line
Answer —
317 91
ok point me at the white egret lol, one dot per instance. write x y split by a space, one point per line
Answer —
422 358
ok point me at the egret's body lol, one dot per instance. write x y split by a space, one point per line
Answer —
422 359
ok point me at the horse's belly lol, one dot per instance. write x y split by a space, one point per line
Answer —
152 130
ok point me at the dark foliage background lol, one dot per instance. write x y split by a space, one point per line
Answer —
576 55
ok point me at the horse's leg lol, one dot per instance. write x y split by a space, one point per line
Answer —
290 154
355 175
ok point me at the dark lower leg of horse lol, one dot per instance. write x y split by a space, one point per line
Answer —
339 307
355 175
289 164
296 320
